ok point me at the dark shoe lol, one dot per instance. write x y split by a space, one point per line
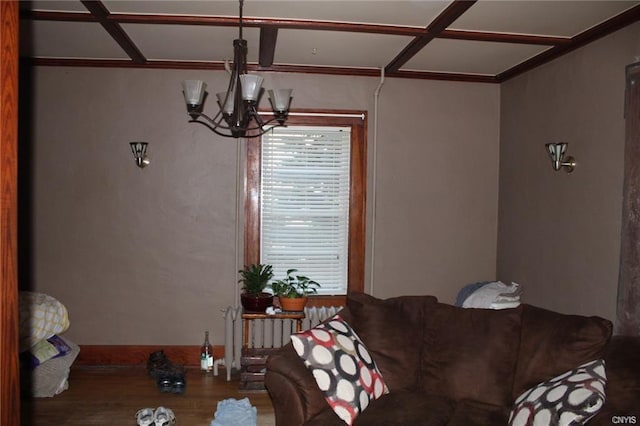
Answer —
158 364
173 380
179 384
165 384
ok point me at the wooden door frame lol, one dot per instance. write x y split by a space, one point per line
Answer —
9 365
628 311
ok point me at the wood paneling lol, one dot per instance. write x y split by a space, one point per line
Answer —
138 354
9 374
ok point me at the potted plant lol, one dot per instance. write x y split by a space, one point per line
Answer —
293 290
255 278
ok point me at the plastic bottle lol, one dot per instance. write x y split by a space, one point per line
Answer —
206 355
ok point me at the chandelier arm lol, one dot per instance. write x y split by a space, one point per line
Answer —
253 114
195 116
212 123
196 113
262 130
215 129
266 123
266 130
216 120
231 132
217 123
215 126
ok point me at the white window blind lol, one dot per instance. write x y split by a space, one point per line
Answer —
305 203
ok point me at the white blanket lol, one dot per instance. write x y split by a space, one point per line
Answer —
495 295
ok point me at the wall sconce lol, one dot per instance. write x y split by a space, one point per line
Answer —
139 150
556 152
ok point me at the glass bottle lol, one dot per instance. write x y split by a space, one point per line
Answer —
206 354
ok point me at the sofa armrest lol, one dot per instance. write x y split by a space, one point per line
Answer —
622 357
294 393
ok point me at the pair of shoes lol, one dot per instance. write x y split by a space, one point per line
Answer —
160 417
173 380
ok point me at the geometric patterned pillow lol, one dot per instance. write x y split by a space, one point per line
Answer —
342 367
571 398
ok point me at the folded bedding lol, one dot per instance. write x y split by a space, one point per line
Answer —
41 316
492 295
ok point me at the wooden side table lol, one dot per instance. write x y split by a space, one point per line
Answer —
253 361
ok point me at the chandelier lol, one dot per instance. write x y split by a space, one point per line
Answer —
238 106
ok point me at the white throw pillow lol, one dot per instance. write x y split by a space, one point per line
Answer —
571 398
344 370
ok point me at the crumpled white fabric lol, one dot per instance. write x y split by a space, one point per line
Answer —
495 295
41 316
235 412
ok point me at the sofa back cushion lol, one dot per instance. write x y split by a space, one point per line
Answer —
471 353
392 331
552 343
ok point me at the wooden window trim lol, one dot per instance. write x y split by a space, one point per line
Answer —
357 202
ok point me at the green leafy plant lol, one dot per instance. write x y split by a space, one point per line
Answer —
255 278
294 285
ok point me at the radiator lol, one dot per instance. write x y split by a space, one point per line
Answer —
263 333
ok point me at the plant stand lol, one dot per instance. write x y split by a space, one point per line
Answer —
253 362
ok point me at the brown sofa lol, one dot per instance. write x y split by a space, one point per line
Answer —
446 365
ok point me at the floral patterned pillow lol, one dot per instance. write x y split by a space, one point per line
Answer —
344 370
571 398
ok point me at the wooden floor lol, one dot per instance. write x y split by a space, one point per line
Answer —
112 395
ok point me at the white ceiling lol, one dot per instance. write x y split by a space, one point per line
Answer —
355 37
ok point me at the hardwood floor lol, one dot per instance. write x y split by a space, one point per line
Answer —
112 396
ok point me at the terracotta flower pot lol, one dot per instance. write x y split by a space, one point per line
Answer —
293 304
256 303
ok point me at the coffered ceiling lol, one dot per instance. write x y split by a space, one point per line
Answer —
482 40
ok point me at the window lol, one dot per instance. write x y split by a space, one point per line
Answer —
305 200
304 203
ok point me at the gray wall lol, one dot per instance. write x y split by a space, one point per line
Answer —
559 234
148 256
437 187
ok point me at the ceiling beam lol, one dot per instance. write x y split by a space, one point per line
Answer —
268 38
101 14
281 23
503 37
446 18
607 27
37 15
219 66
270 26
275 24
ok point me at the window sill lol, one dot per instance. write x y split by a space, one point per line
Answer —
327 301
